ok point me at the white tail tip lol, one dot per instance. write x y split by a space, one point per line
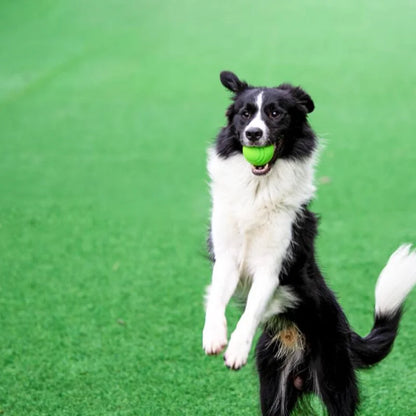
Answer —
396 280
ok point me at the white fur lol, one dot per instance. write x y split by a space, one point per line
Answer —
291 362
251 227
257 122
396 280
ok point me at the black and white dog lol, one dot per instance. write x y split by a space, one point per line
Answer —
262 245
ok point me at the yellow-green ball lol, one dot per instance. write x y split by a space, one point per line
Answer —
258 156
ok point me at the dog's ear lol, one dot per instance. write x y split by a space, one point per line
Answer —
303 100
231 82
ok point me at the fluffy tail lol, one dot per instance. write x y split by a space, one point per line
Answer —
393 285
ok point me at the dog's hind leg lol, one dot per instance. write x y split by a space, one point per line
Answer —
335 383
340 402
280 384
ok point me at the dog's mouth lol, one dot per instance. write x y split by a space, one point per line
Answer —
264 169
261 170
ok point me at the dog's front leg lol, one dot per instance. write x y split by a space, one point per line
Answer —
263 287
225 276
269 246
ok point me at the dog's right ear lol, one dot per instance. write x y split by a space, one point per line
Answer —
231 82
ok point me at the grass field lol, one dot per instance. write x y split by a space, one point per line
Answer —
106 110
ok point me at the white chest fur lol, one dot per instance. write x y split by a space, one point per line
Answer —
252 216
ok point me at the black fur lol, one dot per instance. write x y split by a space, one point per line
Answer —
333 349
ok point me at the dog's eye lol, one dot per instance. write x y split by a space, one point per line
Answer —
274 114
245 114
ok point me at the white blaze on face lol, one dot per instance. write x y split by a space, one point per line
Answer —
258 122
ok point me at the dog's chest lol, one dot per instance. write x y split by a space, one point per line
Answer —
252 217
253 203
248 199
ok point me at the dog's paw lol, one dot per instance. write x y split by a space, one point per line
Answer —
214 337
237 352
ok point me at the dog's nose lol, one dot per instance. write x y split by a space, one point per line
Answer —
254 134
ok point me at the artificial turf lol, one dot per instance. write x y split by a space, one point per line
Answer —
106 110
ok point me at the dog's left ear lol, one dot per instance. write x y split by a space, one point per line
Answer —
303 100
231 82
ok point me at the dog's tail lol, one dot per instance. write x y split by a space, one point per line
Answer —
393 285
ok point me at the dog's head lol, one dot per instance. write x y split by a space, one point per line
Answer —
262 116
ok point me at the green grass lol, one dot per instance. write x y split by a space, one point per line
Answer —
106 110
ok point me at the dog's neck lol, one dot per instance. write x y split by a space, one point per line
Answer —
289 184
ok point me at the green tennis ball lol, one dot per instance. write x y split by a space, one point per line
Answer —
258 156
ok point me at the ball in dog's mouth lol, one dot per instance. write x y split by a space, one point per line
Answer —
260 158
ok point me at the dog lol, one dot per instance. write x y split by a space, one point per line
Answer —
261 242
